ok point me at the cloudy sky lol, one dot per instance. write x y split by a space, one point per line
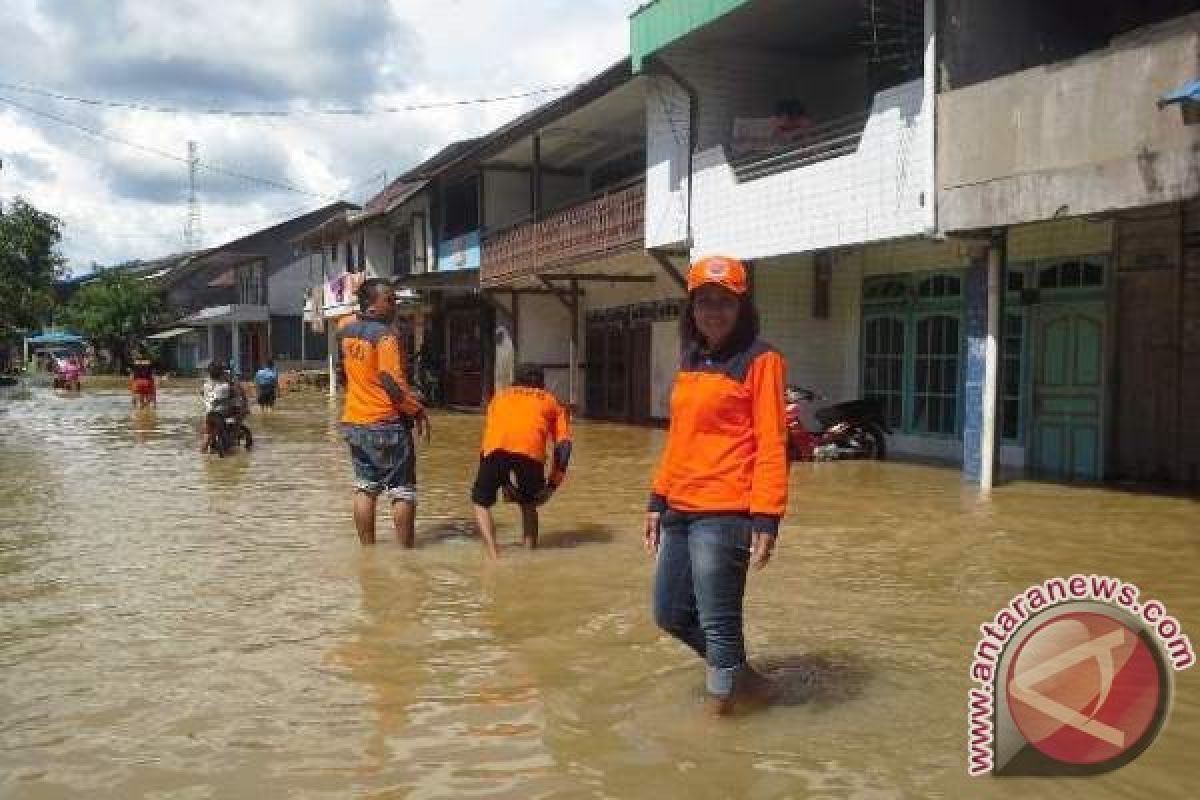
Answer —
120 202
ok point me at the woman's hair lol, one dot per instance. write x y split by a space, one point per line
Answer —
215 370
745 330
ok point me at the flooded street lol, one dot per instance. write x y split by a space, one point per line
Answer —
177 626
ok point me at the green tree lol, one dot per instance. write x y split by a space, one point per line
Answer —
29 265
115 310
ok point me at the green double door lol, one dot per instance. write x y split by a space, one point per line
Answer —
1067 423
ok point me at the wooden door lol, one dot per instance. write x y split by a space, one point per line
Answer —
1068 388
1148 365
616 372
594 374
464 358
641 376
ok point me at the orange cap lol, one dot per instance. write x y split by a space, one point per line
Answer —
727 272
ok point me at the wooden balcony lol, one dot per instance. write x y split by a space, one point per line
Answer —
594 228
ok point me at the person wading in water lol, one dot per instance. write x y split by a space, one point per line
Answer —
521 421
721 486
379 414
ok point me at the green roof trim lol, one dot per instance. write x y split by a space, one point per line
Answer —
656 25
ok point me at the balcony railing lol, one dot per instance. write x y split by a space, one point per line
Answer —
821 142
610 222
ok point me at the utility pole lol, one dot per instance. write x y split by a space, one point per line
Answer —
191 233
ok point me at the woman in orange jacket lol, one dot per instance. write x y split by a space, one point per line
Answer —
721 486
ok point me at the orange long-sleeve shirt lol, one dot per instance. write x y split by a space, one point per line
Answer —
377 388
523 420
726 449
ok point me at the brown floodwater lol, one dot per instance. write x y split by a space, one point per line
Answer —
178 626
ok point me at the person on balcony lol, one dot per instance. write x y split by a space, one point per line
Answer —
791 123
720 489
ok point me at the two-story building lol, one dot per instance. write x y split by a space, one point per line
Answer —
562 252
800 137
391 237
1069 159
243 302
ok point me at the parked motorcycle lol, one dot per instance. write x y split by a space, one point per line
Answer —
854 429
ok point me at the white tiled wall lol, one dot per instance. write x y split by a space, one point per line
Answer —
882 191
668 120
821 354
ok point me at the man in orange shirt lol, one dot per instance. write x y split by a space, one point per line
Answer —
521 420
379 413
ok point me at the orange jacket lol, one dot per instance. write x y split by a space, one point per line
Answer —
726 450
377 388
523 420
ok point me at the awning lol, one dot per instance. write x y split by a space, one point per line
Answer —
220 315
463 279
171 334
1188 93
656 25
62 337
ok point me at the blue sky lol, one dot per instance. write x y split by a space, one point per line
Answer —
120 203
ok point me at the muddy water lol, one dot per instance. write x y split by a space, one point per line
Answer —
181 627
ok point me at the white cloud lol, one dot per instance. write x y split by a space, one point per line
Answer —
122 203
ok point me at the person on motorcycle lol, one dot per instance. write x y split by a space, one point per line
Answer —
225 407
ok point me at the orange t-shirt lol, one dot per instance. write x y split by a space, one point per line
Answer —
727 448
377 388
523 420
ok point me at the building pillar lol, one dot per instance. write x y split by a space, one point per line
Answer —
984 313
330 344
573 361
235 350
212 342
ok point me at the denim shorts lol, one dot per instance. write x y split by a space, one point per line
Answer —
384 460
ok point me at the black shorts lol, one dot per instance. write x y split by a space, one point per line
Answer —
502 467
266 395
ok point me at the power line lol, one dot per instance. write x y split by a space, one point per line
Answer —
230 112
214 168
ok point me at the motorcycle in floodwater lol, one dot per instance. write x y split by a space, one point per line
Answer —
854 429
224 432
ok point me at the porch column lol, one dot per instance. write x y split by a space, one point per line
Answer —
573 361
418 327
212 342
984 292
25 343
330 344
235 350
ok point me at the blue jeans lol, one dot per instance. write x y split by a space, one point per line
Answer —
384 460
699 582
